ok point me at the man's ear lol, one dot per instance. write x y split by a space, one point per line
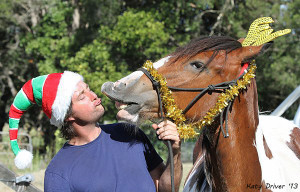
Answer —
71 118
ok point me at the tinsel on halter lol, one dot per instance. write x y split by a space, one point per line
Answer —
172 111
259 33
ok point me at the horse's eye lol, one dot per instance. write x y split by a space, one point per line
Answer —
197 64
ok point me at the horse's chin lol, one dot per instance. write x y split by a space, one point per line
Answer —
137 118
124 115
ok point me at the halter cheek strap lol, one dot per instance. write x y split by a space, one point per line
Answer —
156 87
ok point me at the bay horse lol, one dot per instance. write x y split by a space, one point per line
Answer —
262 153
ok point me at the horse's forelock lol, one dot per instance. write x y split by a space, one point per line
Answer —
213 43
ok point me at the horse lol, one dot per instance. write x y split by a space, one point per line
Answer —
258 153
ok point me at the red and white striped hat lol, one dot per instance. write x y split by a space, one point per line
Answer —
53 93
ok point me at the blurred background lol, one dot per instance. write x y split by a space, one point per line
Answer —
104 40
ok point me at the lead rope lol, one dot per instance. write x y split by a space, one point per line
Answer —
156 86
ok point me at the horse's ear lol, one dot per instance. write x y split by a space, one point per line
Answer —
249 53
241 40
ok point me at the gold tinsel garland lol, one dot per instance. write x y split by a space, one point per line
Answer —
259 33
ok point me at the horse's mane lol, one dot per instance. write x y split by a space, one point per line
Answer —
212 43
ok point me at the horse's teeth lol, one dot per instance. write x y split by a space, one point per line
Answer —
120 106
123 106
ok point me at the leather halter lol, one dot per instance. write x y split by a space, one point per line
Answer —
218 88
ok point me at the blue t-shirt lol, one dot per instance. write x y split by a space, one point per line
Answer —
120 159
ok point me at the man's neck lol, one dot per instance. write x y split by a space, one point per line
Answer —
85 134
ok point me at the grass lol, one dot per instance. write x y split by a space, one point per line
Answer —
37 170
187 166
37 182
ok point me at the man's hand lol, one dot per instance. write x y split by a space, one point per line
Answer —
167 130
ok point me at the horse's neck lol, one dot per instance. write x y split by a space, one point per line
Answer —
233 162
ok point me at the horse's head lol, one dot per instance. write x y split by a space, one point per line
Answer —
203 62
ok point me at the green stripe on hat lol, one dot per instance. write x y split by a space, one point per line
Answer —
37 87
13 123
14 146
21 102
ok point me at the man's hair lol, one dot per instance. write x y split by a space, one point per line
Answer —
67 131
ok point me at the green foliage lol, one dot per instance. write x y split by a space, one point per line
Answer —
51 41
6 10
137 36
159 146
59 141
278 71
37 139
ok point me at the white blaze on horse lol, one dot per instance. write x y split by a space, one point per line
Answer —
261 152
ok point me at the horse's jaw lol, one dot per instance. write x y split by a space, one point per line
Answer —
124 115
137 118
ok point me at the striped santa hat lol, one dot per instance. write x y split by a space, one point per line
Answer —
53 93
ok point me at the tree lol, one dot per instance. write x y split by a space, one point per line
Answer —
16 67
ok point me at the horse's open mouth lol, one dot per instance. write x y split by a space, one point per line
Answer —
126 101
127 111
130 107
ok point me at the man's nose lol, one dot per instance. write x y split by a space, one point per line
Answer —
92 95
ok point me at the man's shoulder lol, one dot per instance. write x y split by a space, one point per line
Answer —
58 161
123 131
118 125
118 128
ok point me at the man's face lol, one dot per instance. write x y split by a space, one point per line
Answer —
86 106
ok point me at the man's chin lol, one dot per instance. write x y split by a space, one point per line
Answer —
124 115
101 110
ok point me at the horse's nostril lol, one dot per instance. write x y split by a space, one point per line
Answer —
120 86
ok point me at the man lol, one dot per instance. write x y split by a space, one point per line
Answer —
96 157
